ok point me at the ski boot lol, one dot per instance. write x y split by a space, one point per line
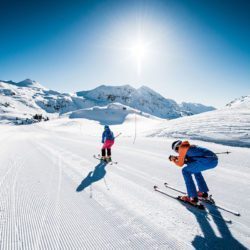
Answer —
185 198
103 159
108 159
192 201
203 196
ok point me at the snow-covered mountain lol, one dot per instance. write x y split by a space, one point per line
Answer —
229 125
22 100
195 108
242 102
144 99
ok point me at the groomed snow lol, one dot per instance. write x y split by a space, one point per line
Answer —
47 202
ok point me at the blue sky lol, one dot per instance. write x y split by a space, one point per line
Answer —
196 51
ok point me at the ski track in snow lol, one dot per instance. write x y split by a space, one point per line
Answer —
140 235
40 171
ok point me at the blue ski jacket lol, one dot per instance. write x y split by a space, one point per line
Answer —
107 135
200 154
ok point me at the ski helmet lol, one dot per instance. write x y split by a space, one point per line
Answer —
176 144
106 127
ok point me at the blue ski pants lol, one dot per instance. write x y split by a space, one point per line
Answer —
196 168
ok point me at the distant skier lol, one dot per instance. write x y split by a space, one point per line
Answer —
108 140
196 159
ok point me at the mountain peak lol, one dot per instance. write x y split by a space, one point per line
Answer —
29 83
242 102
26 83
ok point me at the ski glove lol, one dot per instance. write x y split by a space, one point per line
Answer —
172 158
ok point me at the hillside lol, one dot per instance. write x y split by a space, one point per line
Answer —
144 99
229 125
21 101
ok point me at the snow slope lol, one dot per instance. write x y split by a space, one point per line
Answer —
230 125
144 99
114 113
24 99
240 103
55 195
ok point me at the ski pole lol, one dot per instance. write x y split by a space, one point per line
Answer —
135 130
91 191
227 152
118 135
106 183
209 156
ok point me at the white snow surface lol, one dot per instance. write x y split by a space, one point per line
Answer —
229 126
55 195
112 114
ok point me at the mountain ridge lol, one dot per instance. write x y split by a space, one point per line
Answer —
22 100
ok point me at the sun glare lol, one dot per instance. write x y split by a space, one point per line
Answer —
138 51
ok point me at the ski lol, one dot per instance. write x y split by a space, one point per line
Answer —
199 207
98 157
210 200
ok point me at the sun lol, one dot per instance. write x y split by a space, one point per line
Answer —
138 50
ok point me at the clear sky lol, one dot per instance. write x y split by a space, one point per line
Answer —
196 51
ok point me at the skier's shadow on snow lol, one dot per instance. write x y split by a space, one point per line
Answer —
210 240
93 176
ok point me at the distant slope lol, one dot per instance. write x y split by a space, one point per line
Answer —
195 108
112 114
144 99
240 103
229 125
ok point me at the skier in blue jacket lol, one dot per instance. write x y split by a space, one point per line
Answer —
196 159
108 140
